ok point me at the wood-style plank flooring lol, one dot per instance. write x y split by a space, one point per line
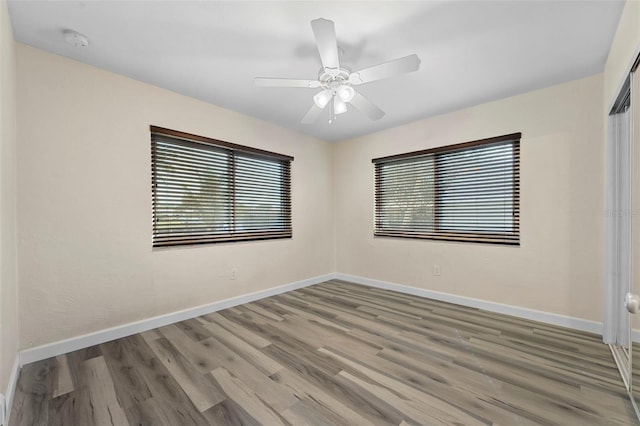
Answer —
333 354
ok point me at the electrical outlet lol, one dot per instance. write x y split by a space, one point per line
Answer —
436 270
234 274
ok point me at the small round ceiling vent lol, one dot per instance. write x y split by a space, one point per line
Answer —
75 39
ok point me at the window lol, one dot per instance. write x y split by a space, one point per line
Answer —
465 192
207 191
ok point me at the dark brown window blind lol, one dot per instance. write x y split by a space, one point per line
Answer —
207 191
464 192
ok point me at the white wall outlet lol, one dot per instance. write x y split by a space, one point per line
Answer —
234 274
436 270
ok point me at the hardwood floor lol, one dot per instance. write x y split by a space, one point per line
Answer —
333 354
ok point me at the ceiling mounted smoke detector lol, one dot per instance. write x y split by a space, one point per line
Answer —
75 39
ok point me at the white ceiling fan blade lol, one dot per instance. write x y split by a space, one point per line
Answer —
285 82
365 106
312 115
388 69
325 33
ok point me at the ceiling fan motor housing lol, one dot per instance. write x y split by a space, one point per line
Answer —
335 83
332 78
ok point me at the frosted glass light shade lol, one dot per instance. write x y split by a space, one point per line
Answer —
346 93
321 99
339 107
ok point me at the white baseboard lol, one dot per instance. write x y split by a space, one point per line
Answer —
516 311
68 345
10 391
79 342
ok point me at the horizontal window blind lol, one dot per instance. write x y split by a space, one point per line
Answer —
207 191
465 192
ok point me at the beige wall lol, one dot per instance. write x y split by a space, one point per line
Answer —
84 176
8 251
626 44
559 266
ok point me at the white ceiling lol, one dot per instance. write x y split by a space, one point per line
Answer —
471 51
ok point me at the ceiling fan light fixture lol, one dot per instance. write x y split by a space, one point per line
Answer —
346 93
321 99
339 106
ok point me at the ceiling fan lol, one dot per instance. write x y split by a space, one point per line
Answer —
336 82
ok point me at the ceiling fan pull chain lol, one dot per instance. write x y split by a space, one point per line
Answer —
332 114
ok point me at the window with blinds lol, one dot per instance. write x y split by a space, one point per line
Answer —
207 191
464 192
